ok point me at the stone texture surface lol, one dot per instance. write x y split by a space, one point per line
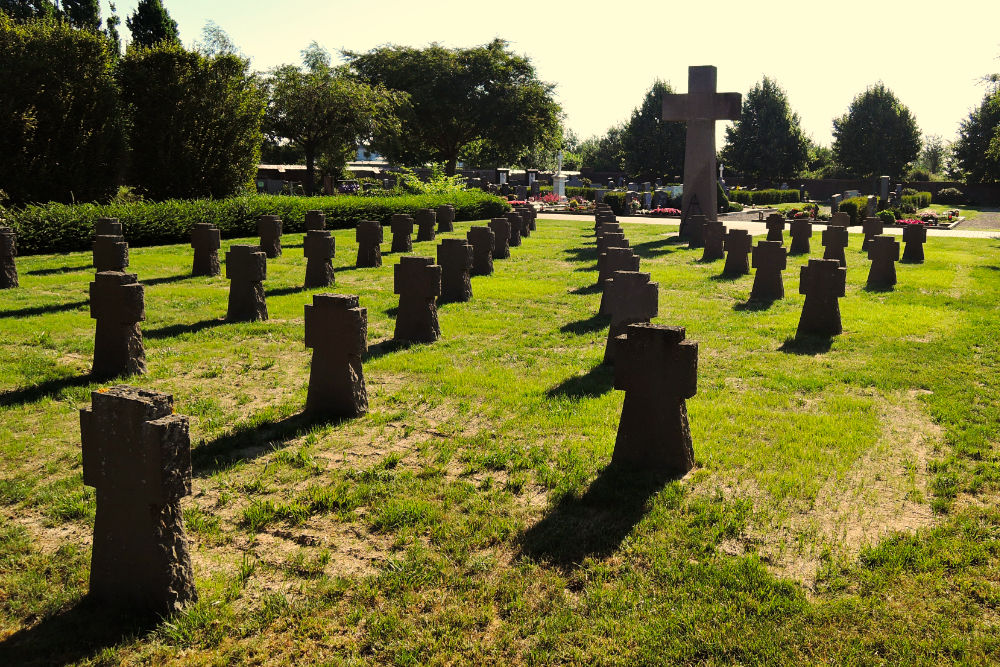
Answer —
445 218
872 227
914 238
713 234
319 247
739 243
336 329
417 281
501 237
246 268
616 259
835 238
206 241
118 303
315 219
823 282
8 265
269 230
769 258
695 230
110 248
525 215
658 371
883 251
839 219
529 214
454 256
425 219
801 231
775 224
631 298
368 234
401 226
137 455
516 227
482 240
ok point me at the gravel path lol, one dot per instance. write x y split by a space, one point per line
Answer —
987 219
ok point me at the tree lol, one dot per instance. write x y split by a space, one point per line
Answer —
605 153
653 147
195 121
877 136
24 10
458 96
82 14
766 142
977 150
323 110
151 24
933 152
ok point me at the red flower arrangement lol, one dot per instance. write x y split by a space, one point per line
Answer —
665 211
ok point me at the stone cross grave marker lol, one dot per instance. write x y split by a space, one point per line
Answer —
417 281
738 245
631 298
368 234
871 203
883 253
336 329
713 234
658 371
482 240
8 251
872 227
695 230
606 228
269 229
700 108
501 237
516 227
606 242
319 248
110 248
445 218
315 220
206 241
528 215
834 240
426 219
823 282
117 302
914 236
137 455
246 268
455 259
775 224
770 259
840 220
835 203
401 226
801 231
616 259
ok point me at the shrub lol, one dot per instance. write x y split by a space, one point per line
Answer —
735 207
65 227
764 197
918 199
888 218
616 200
723 200
918 174
950 196
855 207
585 193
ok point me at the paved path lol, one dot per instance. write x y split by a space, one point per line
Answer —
755 227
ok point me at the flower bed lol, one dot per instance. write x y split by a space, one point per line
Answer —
665 212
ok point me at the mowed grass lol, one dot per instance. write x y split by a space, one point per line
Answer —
843 508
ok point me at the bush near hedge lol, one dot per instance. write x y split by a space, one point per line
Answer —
950 196
57 227
856 208
918 200
762 197
585 193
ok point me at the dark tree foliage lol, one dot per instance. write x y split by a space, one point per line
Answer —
977 150
83 14
877 136
653 147
766 141
23 10
605 153
60 132
459 96
151 24
194 121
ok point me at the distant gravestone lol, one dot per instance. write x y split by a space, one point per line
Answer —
417 281
608 241
800 231
775 227
695 229
528 215
616 259
521 192
738 245
501 237
454 256
714 235
599 195
536 189
883 253
883 189
206 241
445 218
835 203
425 219
8 251
315 219
117 302
319 248
401 226
482 240
872 227
368 234
840 220
246 268
871 205
336 329
137 455
770 259
823 282
516 225
110 248
835 239
525 219
269 229
914 236
631 298
658 370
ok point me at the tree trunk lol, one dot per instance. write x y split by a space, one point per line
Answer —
449 168
310 170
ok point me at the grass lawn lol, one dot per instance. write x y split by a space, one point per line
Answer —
843 509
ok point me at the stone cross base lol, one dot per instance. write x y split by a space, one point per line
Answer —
482 240
336 330
425 219
368 234
501 234
269 229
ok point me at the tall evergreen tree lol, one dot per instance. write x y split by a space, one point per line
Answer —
83 14
977 150
653 147
23 10
150 24
766 141
878 135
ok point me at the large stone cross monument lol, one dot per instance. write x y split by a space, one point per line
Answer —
700 108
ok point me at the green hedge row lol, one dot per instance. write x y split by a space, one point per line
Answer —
65 227
585 193
616 200
856 208
760 197
919 200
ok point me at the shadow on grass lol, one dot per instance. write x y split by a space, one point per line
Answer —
283 291
809 345
657 247
590 268
728 277
879 289
73 635
391 311
388 346
43 310
41 390
589 289
178 329
585 254
164 280
753 305
59 269
595 382
589 325
595 523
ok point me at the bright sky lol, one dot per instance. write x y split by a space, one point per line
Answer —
603 56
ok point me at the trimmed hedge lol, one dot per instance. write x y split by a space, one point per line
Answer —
586 193
856 208
616 200
65 227
761 197
950 196
919 200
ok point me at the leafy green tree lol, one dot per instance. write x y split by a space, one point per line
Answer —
933 153
459 96
23 10
60 129
977 150
151 24
323 110
877 136
83 14
111 29
653 147
766 141
605 153
194 121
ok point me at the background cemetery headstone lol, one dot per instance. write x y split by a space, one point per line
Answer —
769 258
482 240
454 256
872 227
516 225
246 269
823 282
8 265
914 237
401 226
110 248
775 224
616 259
738 246
425 219
417 281
445 218
206 239
835 239
713 234
801 231
118 304
315 220
883 251
269 230
632 297
501 237
368 235
319 248
336 328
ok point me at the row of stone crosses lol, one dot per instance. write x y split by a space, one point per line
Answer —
137 451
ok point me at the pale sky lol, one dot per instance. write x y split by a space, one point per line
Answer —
603 56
